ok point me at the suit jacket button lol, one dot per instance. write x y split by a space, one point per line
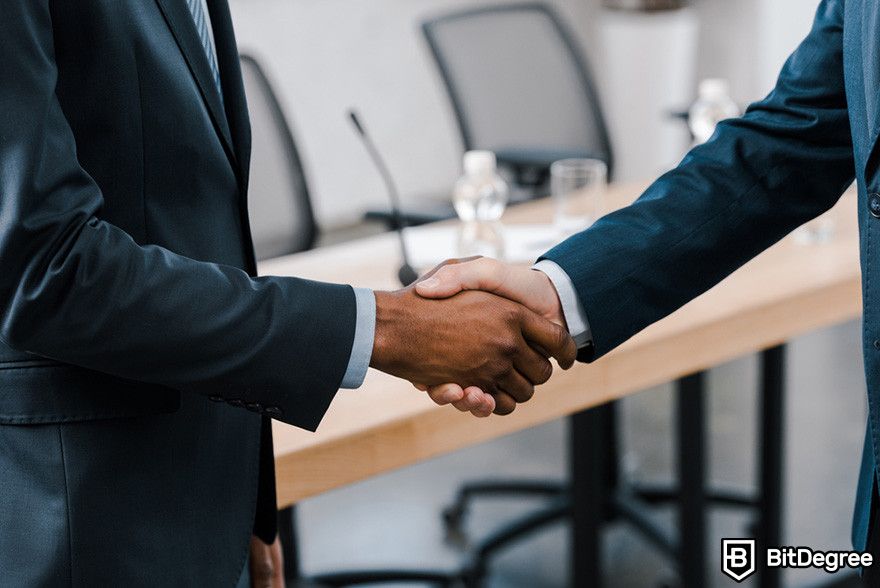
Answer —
274 412
254 407
235 402
216 398
874 205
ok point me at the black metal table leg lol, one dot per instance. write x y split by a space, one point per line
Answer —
771 466
692 475
588 463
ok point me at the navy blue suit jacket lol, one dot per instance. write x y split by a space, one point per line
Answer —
787 160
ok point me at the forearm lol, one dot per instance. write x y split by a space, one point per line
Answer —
144 313
785 162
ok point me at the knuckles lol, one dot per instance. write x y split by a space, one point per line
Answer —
508 348
499 367
511 314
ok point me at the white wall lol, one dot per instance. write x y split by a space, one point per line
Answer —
327 55
646 66
747 41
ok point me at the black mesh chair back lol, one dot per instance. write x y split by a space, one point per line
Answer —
281 215
518 84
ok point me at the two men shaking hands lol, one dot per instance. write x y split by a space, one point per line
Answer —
491 331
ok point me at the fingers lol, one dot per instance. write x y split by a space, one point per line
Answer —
504 404
517 387
477 274
266 564
446 394
533 365
446 263
470 399
550 337
477 402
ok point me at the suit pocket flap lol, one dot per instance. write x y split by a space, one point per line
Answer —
44 392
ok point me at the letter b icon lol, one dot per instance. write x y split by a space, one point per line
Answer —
738 558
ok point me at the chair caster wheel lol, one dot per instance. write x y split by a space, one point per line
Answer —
453 523
453 516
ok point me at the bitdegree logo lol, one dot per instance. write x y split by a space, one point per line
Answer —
806 557
739 558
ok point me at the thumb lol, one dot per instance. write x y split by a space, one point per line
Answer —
438 286
449 280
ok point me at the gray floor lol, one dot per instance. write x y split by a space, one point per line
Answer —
394 520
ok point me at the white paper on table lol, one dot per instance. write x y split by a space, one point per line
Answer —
523 244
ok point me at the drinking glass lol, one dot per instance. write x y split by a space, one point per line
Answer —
578 187
818 230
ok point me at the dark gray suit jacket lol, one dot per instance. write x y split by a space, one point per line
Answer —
128 303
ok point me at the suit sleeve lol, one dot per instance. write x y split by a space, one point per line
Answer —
79 290
787 160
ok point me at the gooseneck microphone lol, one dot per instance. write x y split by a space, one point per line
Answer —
406 274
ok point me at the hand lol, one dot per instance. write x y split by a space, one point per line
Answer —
531 288
266 564
473 338
526 286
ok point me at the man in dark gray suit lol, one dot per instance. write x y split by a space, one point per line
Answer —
140 359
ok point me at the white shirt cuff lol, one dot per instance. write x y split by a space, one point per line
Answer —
575 317
364 334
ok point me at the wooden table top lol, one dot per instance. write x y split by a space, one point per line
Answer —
788 290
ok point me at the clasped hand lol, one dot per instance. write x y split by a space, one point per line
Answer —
474 333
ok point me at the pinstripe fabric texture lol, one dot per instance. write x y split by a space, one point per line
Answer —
198 12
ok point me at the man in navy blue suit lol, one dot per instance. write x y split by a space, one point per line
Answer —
786 161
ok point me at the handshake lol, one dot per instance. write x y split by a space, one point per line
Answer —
475 333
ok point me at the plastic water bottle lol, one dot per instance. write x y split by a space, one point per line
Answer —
480 198
712 106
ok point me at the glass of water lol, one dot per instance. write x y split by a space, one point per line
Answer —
578 187
818 230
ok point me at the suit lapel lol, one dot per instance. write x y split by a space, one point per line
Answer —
870 55
236 109
180 21
233 89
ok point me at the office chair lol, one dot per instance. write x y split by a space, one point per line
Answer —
279 206
518 86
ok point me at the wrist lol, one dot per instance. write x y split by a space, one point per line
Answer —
388 311
552 303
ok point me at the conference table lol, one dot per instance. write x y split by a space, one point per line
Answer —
790 289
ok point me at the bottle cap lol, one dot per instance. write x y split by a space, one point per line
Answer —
714 88
479 162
